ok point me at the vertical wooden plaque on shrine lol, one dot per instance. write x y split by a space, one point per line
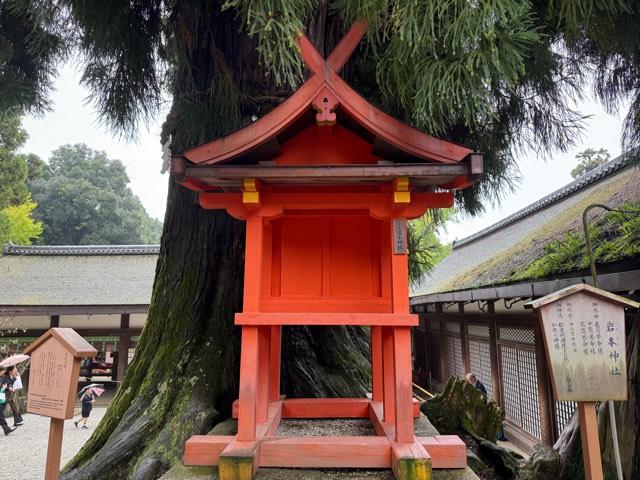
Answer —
53 380
584 336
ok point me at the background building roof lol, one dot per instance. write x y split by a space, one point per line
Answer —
77 275
498 255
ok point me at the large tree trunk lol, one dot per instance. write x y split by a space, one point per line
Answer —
185 372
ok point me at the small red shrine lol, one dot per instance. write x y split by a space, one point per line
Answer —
325 183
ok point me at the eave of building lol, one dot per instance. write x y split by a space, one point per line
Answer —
623 282
432 162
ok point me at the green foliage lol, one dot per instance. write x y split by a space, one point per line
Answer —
425 249
32 43
589 159
85 200
13 168
17 226
615 236
276 24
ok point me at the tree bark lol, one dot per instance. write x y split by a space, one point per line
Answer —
184 375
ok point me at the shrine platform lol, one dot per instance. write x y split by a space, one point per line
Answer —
357 427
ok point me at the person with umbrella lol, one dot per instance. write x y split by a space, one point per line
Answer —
87 396
3 402
14 383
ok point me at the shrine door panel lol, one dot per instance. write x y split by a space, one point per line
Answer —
328 263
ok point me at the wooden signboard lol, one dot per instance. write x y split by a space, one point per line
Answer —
584 336
585 340
53 380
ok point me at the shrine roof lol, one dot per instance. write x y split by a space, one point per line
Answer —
89 275
499 256
345 117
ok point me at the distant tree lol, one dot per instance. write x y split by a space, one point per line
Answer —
16 206
590 159
83 198
13 168
17 226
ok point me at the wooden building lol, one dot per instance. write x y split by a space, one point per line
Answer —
471 306
102 292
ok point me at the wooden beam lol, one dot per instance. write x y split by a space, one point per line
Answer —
325 452
83 332
326 408
123 348
545 395
380 319
328 173
26 310
446 451
590 439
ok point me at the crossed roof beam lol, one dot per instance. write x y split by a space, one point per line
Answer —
326 92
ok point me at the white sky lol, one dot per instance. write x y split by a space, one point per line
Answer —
73 121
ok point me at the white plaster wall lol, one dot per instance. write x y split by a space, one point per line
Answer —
137 320
37 322
90 321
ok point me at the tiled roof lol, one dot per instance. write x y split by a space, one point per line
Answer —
490 256
82 250
579 183
77 275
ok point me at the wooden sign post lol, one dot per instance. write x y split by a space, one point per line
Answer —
53 379
584 336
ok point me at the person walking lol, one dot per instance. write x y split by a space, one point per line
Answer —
87 400
14 385
3 403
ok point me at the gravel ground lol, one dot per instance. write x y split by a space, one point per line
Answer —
28 445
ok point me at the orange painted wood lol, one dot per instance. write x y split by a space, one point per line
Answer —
54 449
335 407
311 318
376 363
321 146
378 205
403 387
248 384
264 344
275 362
258 132
389 129
590 440
446 451
325 408
346 46
253 264
325 452
392 131
270 426
388 372
203 450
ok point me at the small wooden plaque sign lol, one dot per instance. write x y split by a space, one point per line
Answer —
399 236
53 376
584 337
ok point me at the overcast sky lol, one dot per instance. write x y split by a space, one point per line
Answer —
73 121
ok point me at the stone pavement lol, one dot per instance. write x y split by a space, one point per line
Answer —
25 450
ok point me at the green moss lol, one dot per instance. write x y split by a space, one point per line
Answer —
615 236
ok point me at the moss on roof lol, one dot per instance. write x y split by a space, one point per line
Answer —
557 245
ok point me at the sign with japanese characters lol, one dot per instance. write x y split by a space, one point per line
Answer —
585 341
